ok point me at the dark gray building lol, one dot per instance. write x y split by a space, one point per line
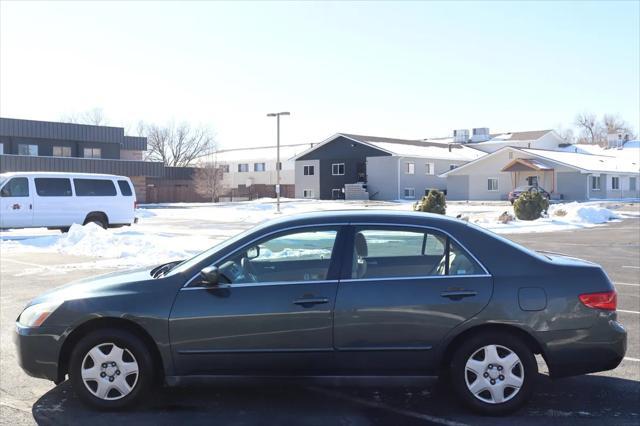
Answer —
32 146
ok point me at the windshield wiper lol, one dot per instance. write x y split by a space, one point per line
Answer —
164 268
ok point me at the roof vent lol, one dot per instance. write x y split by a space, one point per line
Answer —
461 136
480 134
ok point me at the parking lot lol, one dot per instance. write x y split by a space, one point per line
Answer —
610 397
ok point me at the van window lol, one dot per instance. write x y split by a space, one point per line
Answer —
94 188
16 187
53 187
125 189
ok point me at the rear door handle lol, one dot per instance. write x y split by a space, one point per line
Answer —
310 301
457 295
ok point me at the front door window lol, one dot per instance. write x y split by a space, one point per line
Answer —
303 255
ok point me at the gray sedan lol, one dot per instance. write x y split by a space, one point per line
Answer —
349 294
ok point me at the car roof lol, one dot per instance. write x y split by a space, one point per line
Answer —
62 174
368 216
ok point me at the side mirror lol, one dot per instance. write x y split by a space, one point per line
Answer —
210 276
253 252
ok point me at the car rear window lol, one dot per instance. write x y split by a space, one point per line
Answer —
94 188
125 189
53 187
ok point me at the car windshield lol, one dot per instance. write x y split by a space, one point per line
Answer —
3 179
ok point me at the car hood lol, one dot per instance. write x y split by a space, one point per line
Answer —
120 282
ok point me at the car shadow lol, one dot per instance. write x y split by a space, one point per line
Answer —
591 399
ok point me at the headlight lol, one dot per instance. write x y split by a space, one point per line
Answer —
35 315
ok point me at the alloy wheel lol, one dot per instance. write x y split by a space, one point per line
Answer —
494 374
109 372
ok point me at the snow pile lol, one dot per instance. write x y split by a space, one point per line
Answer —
581 213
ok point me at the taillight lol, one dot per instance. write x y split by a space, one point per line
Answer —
607 300
135 204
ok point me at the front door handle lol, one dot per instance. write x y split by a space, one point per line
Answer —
459 294
310 301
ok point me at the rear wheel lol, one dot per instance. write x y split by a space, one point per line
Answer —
111 369
493 373
98 219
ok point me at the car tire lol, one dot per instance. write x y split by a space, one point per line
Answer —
493 373
98 220
110 380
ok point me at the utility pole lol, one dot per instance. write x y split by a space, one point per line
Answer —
278 165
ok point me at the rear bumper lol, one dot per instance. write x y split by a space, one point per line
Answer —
574 352
38 351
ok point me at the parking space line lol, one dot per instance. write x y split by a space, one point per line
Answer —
20 262
627 312
631 267
629 284
383 406
628 358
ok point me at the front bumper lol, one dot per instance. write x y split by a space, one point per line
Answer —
573 352
38 351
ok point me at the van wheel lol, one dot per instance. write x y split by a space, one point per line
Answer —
111 369
98 219
493 372
64 230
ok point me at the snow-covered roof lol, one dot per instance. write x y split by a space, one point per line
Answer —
497 138
265 153
590 162
630 149
457 152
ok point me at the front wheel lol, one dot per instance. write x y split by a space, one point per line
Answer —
111 369
493 373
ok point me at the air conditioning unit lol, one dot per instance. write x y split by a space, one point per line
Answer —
461 136
480 134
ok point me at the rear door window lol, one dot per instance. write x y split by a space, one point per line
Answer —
53 187
16 187
94 188
125 188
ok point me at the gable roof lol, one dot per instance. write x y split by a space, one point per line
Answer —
495 138
585 163
407 147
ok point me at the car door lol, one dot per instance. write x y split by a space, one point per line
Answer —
406 288
53 202
272 314
16 203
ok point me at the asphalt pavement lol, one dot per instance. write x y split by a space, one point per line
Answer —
611 397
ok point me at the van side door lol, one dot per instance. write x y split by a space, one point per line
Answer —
16 203
53 202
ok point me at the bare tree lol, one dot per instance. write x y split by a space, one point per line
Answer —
614 124
93 116
590 129
178 146
208 181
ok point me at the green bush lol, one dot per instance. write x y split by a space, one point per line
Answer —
434 202
530 205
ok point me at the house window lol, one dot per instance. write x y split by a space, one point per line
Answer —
243 168
492 184
510 155
308 170
337 169
307 193
409 193
452 166
92 153
225 168
1 148
26 149
430 168
615 182
595 183
409 168
336 194
258 167
632 184
62 151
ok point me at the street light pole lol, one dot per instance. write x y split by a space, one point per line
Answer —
278 166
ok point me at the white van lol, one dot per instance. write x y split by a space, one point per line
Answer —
58 200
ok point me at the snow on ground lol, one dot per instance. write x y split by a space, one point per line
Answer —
176 231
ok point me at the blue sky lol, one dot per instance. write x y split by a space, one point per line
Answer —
399 69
